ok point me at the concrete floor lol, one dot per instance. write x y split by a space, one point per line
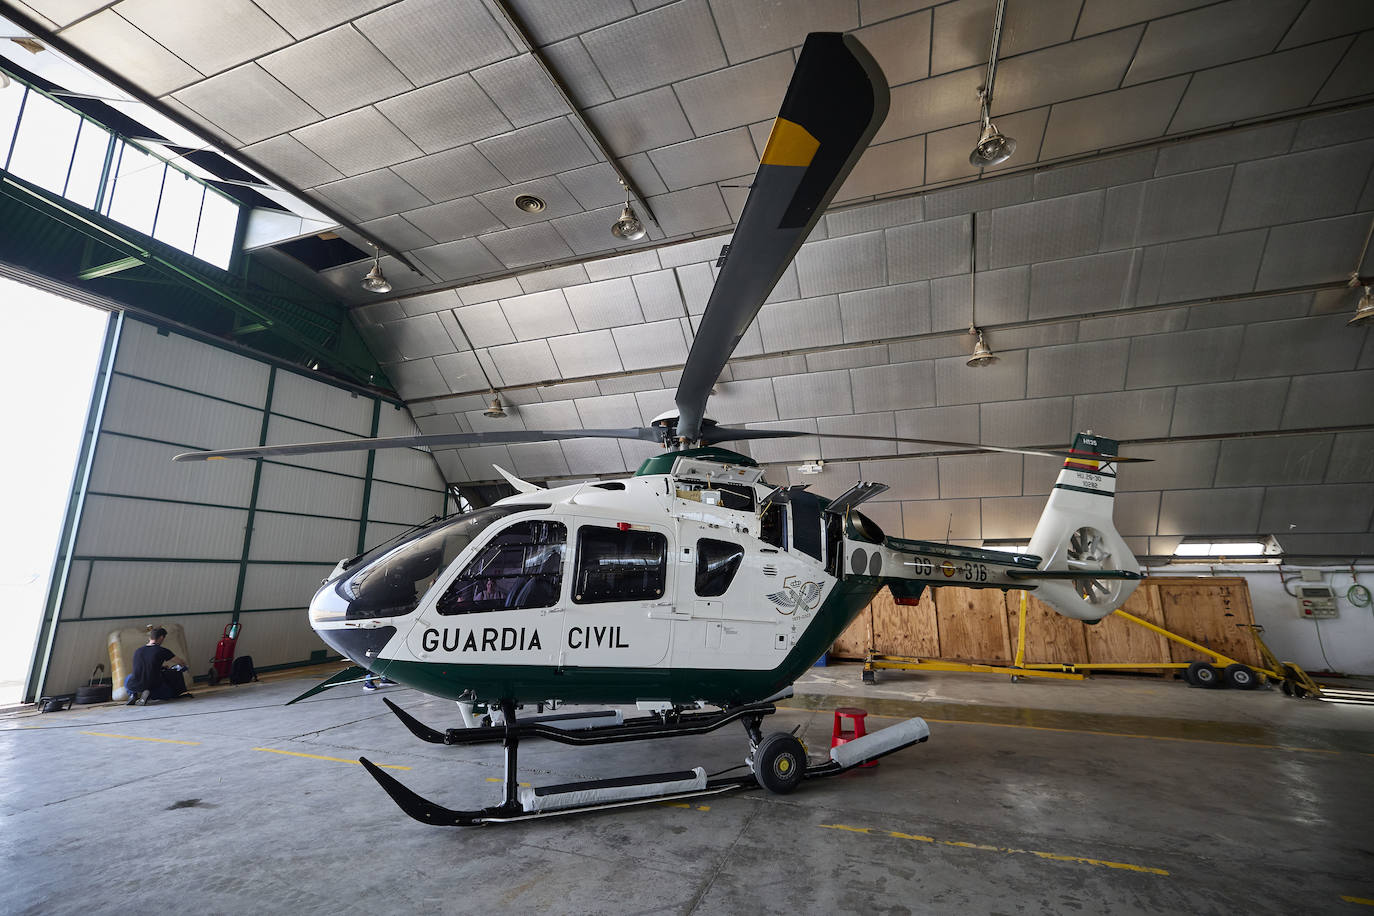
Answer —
1117 795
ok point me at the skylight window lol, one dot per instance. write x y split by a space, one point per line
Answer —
49 144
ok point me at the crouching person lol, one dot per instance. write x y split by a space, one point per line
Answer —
150 679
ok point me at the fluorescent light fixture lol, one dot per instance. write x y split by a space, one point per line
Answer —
1220 549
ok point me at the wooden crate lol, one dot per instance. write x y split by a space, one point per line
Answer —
979 625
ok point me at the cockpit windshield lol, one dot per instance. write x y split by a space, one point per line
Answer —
391 580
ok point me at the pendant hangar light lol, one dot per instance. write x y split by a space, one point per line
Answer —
628 227
1364 309
982 353
496 411
993 147
375 282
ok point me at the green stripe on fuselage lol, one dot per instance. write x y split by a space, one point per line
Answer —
718 686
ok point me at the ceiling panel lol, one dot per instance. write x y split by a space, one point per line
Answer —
537 150
1306 185
1287 460
432 39
656 343
1042 421
1144 414
336 71
338 141
372 195
210 37
520 87
1249 89
539 315
885 312
108 37
735 96
1184 358
247 103
661 46
454 219
588 353
900 387
813 395
1227 407
846 263
753 28
1166 209
1211 512
1334 507
456 259
1213 35
605 304
535 244
444 115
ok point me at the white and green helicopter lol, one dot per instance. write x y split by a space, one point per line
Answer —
694 589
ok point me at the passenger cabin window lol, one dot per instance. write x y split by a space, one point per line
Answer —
616 565
717 563
521 567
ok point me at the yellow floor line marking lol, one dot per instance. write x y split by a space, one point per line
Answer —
523 785
137 738
380 766
1003 849
1089 731
1363 901
689 807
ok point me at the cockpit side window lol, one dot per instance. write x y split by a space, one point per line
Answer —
717 563
390 580
521 567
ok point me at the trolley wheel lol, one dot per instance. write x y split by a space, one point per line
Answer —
1287 688
1201 674
213 676
1241 677
779 763
870 677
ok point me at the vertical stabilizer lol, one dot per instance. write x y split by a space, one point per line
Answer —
1076 534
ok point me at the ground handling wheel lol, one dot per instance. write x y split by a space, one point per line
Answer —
779 763
1240 677
1201 674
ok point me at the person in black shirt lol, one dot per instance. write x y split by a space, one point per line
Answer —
150 680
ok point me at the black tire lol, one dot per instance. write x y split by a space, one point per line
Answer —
1241 677
779 763
93 693
1287 688
213 677
1201 674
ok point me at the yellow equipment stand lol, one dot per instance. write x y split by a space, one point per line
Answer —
1294 681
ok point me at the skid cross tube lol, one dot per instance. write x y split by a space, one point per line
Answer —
640 729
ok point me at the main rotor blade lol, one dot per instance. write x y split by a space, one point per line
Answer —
978 446
438 440
834 105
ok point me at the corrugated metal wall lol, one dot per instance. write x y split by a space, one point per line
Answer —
202 542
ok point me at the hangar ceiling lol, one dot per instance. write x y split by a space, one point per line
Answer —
1163 259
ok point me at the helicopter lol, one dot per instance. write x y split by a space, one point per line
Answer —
693 590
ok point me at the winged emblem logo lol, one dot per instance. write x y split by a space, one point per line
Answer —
796 596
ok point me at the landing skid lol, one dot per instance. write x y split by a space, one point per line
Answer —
770 760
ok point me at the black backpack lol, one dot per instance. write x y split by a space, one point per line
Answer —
242 672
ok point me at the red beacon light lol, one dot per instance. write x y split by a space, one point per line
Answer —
623 526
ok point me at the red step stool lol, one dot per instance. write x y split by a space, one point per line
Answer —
840 735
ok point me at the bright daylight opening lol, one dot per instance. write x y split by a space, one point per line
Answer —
52 348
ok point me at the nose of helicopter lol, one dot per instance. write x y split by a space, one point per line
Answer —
359 641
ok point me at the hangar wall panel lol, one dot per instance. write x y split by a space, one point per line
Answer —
200 543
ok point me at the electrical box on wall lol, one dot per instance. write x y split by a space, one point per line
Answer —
1316 601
